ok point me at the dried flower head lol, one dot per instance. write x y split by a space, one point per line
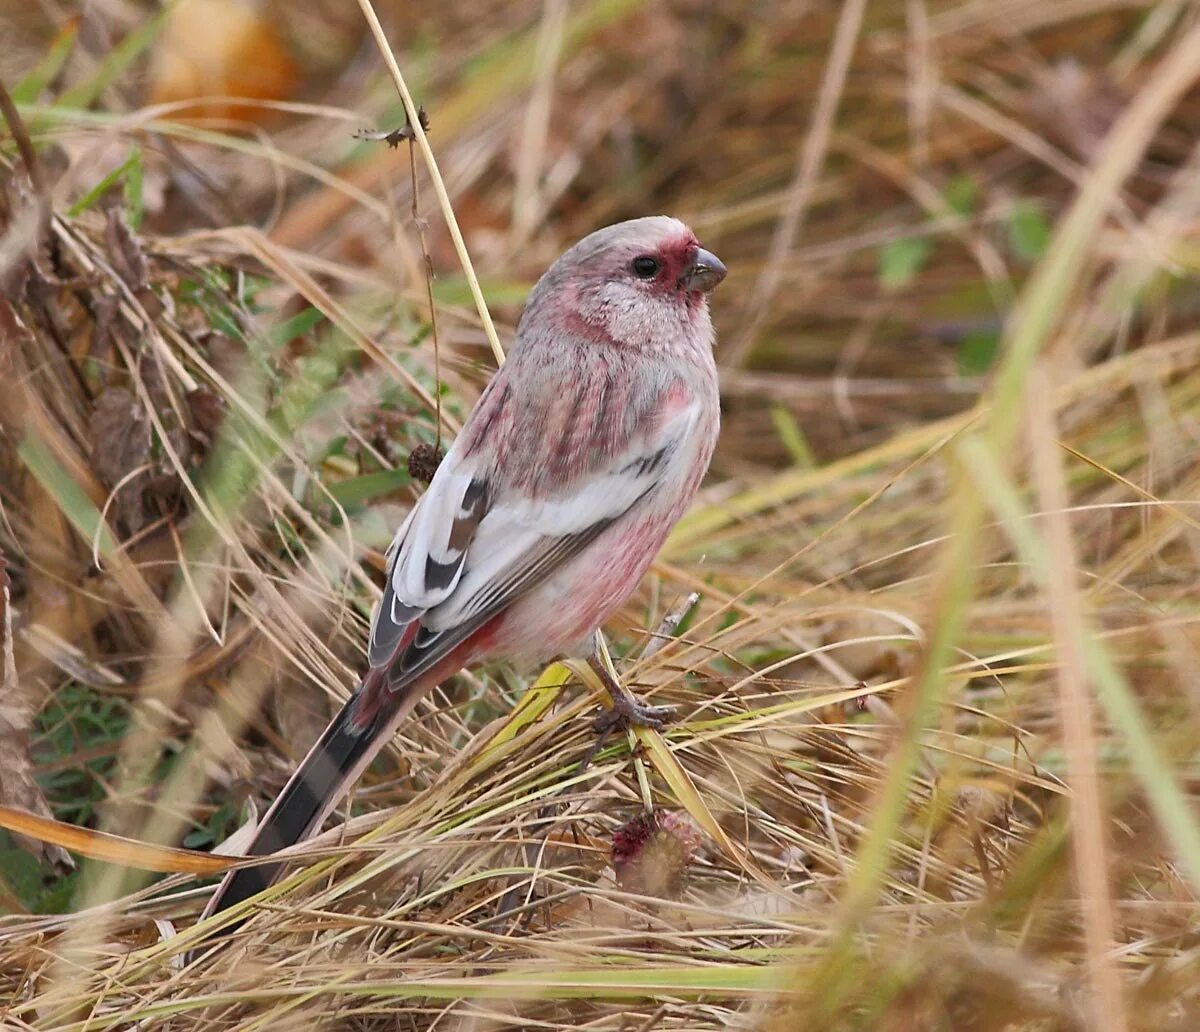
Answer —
423 462
651 853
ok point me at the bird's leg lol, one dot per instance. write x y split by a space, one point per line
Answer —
627 708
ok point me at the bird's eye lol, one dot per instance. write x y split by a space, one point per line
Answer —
645 267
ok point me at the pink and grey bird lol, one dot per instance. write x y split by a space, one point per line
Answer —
581 454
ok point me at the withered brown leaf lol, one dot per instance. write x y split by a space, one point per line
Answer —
121 438
18 787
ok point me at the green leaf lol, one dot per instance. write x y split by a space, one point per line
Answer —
977 352
46 70
116 62
135 205
901 261
132 161
197 838
22 874
453 290
59 895
792 437
1028 233
362 489
68 495
297 326
961 194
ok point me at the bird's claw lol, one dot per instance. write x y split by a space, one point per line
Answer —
630 712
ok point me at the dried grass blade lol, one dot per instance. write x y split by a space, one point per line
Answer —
538 698
113 849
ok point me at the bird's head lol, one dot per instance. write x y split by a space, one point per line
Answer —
641 283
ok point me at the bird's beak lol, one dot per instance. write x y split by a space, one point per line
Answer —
704 273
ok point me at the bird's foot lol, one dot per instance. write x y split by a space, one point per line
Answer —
629 711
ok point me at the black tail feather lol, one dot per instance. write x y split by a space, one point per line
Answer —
321 780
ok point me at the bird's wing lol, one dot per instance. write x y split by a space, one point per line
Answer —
425 561
470 548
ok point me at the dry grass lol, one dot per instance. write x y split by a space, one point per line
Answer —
939 689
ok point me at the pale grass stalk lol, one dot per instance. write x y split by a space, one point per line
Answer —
531 154
439 187
1088 823
146 120
1039 314
1171 356
162 684
922 78
1020 135
1166 796
278 260
808 166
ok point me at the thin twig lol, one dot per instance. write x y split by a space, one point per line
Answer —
419 223
666 628
20 134
439 187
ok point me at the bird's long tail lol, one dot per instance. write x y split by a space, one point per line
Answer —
333 764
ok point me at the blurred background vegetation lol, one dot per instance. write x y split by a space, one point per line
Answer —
937 761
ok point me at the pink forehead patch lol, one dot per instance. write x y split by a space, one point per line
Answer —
676 253
680 248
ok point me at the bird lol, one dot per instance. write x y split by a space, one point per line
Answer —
582 452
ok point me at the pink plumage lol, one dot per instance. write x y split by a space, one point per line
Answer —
582 453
